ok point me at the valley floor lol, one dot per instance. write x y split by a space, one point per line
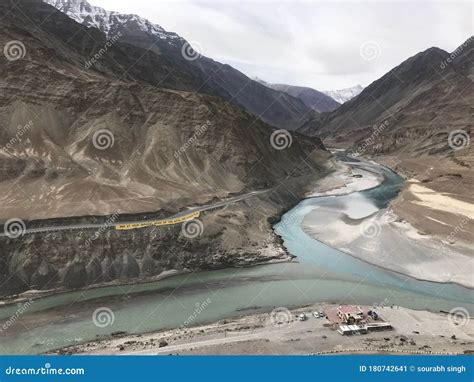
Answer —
413 332
423 233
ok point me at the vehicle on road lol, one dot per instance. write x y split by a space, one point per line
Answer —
373 314
302 317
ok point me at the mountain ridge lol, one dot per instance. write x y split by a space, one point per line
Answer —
98 100
89 144
316 100
399 85
194 71
92 16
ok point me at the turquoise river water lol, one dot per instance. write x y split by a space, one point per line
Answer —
319 274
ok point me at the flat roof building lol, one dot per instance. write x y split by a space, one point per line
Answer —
350 314
352 329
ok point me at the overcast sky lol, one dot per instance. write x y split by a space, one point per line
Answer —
322 44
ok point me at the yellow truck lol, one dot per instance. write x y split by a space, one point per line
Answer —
157 223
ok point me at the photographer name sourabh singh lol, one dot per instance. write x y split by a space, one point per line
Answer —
441 369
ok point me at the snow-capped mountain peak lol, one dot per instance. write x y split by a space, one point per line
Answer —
108 22
344 95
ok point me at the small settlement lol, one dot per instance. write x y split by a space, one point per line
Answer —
350 319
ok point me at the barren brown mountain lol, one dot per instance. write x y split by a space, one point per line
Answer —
418 120
82 141
176 65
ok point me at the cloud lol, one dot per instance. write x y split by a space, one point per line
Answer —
309 43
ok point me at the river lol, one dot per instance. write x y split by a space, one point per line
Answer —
320 274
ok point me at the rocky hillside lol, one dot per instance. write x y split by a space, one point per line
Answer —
97 140
418 120
179 66
410 99
161 147
312 98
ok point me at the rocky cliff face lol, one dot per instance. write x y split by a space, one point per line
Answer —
80 140
193 71
237 236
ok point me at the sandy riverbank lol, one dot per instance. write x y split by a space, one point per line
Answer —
382 238
437 197
344 180
413 332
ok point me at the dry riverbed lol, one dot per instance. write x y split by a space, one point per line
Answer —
413 332
387 238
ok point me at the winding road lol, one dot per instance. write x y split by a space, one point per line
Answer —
177 218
